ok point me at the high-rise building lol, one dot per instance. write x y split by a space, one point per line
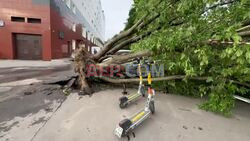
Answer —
49 29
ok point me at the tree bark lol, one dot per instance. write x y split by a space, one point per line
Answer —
244 33
222 3
142 23
117 60
243 28
216 42
167 78
117 38
129 42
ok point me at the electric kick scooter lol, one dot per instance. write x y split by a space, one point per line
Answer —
127 125
126 100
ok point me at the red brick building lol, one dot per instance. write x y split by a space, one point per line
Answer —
40 29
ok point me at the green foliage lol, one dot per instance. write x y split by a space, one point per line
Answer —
221 99
131 19
186 88
181 44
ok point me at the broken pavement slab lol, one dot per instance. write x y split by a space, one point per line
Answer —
59 78
22 116
24 128
4 89
20 82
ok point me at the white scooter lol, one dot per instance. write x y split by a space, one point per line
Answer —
127 125
126 100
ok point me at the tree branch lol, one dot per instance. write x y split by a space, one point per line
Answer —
222 3
138 26
241 83
115 39
126 58
167 78
244 33
129 42
243 28
152 19
217 42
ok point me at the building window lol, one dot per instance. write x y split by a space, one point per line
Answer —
74 27
73 44
74 9
88 37
1 23
61 35
17 19
34 20
68 3
91 38
83 33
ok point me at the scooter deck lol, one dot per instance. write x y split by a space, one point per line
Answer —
139 117
129 124
133 96
126 100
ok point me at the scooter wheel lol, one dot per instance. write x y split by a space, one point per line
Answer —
143 91
125 125
152 107
123 102
123 105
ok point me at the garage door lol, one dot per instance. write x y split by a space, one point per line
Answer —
28 47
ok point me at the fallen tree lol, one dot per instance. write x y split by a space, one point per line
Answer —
193 39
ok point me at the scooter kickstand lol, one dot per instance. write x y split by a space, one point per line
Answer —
133 133
128 137
124 89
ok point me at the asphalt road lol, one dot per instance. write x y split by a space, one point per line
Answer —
21 73
25 101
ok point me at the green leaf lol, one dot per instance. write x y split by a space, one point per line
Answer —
209 79
239 53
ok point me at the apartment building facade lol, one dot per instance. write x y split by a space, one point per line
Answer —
48 29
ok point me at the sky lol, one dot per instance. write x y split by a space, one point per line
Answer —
116 14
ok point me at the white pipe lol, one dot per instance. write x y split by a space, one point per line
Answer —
242 99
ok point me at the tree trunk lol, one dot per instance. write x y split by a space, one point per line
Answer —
82 57
167 78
